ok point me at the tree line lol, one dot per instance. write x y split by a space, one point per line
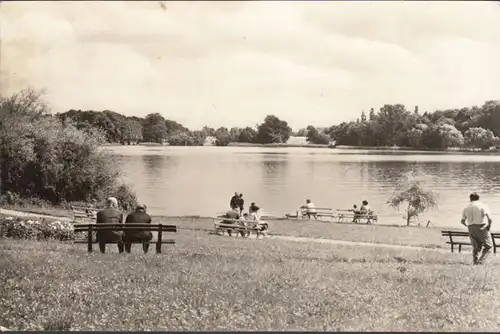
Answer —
392 125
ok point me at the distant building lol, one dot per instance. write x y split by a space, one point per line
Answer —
297 140
210 141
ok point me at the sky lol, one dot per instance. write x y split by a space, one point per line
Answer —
233 63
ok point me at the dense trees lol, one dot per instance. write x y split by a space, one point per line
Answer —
44 158
394 125
273 130
391 125
316 137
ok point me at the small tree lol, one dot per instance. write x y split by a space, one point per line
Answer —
411 191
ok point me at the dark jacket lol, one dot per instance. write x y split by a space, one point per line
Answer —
138 217
253 208
109 216
231 215
240 202
233 204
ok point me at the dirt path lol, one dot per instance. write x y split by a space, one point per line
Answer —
30 214
276 237
354 243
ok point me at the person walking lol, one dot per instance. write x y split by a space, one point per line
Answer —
477 218
110 215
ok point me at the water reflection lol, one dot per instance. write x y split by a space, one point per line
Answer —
156 164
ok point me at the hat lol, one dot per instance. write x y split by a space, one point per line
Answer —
112 200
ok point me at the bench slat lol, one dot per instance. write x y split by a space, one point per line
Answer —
164 241
127 228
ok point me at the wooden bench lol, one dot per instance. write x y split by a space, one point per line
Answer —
348 216
462 238
83 213
241 227
320 213
159 228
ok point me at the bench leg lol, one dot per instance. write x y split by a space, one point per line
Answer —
158 244
460 248
452 248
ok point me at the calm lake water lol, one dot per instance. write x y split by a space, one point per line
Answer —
201 180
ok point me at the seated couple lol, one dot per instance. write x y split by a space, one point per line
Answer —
364 211
111 215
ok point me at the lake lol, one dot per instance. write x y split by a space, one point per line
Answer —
201 180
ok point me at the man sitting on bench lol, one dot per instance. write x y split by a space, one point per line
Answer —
138 217
110 215
231 214
310 209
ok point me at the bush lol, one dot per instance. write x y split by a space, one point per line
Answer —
19 228
43 157
126 197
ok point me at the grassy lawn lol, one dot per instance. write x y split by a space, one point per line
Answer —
207 282
414 236
398 235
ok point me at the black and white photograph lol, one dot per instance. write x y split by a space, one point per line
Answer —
250 166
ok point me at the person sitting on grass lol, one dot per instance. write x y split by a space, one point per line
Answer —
110 215
139 216
263 228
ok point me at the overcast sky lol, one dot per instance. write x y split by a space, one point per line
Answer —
232 63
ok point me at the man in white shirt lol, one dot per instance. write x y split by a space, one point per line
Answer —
310 209
476 217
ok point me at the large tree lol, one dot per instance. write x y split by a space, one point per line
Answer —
131 131
316 137
273 130
154 128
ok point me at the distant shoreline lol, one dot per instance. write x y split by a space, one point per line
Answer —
340 147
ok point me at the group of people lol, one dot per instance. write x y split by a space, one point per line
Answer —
236 215
111 215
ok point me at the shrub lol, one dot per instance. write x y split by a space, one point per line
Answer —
411 191
126 197
43 157
20 228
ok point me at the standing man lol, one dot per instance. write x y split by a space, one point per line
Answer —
110 215
233 203
241 203
476 217
138 217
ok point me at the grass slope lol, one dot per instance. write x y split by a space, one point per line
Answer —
207 282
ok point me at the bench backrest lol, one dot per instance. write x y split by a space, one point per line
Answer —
220 219
222 225
464 234
83 213
124 227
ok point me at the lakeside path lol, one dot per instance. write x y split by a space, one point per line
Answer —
272 236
